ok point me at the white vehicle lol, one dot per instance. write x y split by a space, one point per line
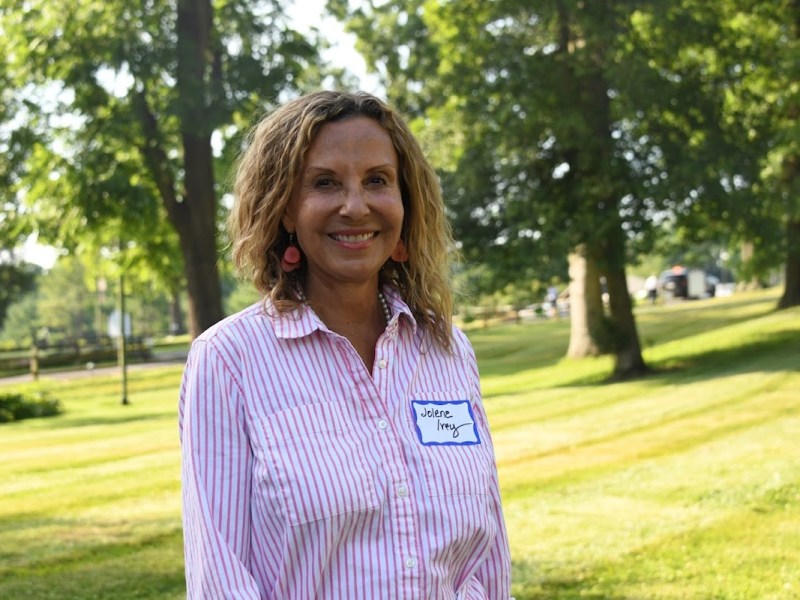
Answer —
696 284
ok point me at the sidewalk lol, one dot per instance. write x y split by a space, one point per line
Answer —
164 358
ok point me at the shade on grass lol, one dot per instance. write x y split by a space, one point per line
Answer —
684 484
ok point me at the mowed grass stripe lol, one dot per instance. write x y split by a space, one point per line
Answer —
113 477
93 446
592 457
148 568
596 534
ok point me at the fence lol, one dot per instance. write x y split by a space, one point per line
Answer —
71 353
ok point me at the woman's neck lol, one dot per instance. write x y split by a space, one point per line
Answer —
354 312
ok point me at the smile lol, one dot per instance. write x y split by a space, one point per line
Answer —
353 239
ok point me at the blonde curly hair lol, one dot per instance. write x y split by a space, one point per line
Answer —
267 173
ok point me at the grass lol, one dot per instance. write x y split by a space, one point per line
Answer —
684 484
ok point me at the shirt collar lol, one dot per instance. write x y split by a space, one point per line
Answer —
303 321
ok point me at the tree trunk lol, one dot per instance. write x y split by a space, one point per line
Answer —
585 305
791 290
622 332
176 323
628 359
195 223
194 217
604 241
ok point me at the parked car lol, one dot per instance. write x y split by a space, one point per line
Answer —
680 282
674 283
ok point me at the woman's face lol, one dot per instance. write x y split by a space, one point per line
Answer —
346 209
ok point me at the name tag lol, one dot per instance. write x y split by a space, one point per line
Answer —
445 423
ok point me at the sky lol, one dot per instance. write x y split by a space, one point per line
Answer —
305 14
33 252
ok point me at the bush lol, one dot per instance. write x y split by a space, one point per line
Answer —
17 406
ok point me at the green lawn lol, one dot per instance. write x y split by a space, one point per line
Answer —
685 484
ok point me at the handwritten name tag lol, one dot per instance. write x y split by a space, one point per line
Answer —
445 423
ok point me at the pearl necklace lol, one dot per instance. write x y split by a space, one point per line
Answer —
385 306
387 314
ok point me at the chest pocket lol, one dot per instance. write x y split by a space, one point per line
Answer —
317 463
457 469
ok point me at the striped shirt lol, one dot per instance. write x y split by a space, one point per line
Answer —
305 476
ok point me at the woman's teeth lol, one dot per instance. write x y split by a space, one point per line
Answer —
362 237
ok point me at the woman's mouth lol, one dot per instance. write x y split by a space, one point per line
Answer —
353 238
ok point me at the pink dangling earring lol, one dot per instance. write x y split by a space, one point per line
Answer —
400 252
291 256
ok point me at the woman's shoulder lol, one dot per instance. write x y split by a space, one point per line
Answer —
461 342
237 326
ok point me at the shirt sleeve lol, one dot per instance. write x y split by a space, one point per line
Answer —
494 574
216 479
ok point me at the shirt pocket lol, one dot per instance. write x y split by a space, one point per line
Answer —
457 469
318 465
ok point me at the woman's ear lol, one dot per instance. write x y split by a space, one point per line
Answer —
288 222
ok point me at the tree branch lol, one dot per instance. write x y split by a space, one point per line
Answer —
152 150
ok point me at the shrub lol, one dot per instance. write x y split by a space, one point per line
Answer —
18 406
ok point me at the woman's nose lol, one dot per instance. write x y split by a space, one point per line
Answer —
354 204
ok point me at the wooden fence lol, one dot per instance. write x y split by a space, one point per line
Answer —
71 353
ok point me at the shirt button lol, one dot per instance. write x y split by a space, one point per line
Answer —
402 490
382 424
382 363
411 562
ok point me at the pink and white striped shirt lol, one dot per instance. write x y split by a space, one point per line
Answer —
306 477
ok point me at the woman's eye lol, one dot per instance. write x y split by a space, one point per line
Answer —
376 180
323 182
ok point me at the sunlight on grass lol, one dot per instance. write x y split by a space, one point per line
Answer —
683 484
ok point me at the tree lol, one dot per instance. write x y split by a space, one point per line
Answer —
740 55
590 128
538 163
65 301
775 31
22 320
125 100
16 280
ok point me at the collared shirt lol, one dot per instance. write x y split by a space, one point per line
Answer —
305 476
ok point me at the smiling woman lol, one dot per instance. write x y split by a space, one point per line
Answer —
346 214
311 464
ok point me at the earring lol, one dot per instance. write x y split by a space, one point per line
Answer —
291 256
400 252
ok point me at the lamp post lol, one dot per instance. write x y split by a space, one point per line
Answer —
121 347
101 287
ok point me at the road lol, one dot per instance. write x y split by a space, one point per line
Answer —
164 358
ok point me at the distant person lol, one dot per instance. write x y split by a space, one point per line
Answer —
334 442
651 287
551 298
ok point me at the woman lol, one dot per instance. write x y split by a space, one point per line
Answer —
334 442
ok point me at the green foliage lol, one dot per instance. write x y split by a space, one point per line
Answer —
19 406
241 296
74 300
65 301
557 124
109 145
739 58
16 280
22 321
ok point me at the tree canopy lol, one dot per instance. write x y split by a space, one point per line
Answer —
588 128
561 129
110 114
